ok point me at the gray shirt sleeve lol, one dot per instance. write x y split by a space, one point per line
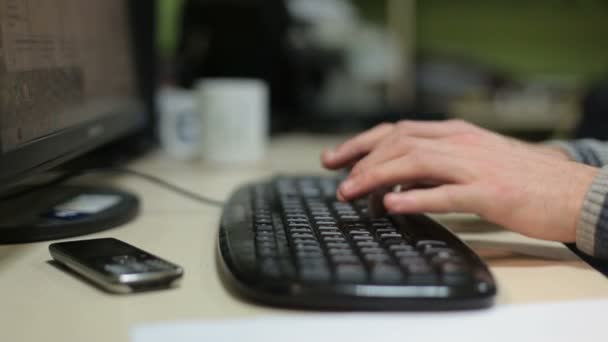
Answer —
592 226
588 151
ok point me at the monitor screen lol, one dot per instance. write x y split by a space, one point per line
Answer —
67 81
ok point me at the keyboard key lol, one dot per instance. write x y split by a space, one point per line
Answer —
315 274
453 268
375 258
418 268
270 268
345 259
309 241
302 235
293 216
385 231
350 273
298 224
386 273
265 232
362 244
372 250
260 238
331 224
309 254
331 233
363 238
401 247
308 248
337 245
430 243
343 251
406 254
328 227
260 226
300 230
359 232
267 252
386 236
328 239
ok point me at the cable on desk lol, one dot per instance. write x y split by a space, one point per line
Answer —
154 180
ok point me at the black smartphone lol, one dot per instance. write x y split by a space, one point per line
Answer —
116 266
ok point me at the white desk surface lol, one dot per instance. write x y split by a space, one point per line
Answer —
42 303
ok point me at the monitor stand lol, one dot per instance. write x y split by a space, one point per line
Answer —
63 211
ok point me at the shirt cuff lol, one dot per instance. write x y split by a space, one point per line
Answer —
592 227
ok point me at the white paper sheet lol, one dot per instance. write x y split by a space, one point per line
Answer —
571 321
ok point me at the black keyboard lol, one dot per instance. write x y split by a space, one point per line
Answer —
290 242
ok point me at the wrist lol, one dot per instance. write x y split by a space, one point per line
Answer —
553 150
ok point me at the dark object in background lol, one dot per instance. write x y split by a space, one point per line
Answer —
241 39
143 19
594 120
251 39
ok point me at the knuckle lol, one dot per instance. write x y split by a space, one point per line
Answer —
418 159
456 121
459 123
400 143
403 125
384 126
358 169
416 152
353 145
387 144
451 199
367 177
403 143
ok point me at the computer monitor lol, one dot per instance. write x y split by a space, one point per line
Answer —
69 83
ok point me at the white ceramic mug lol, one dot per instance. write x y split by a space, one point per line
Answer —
234 119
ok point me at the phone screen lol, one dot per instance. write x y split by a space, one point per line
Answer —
113 256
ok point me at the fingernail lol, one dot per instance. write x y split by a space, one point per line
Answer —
330 153
390 198
339 196
347 186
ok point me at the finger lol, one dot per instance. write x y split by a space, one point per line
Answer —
412 168
407 136
433 129
390 148
354 148
441 199
375 200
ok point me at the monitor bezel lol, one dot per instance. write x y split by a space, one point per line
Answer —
53 150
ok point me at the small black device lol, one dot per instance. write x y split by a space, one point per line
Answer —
115 265
290 242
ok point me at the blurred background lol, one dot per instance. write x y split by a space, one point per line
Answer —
532 69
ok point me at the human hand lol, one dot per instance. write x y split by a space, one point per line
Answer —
359 146
526 188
